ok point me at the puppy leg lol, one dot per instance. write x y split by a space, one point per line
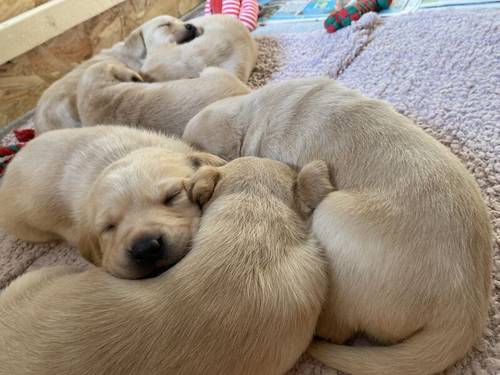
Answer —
374 278
27 285
17 216
24 231
124 74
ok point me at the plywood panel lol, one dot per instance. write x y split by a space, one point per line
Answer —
23 79
36 26
11 8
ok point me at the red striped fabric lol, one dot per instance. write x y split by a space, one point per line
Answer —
216 6
247 11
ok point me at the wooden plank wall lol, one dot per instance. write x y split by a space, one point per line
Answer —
24 78
11 8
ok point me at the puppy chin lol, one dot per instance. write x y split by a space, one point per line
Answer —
157 272
124 269
137 273
185 39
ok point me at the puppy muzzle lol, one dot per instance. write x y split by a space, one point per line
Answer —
191 33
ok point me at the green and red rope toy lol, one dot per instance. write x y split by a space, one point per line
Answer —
343 17
9 151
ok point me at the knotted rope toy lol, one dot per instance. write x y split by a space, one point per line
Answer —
341 18
8 152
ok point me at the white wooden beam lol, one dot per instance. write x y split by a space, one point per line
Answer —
34 27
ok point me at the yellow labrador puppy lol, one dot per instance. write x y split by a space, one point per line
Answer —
224 42
57 107
109 94
407 233
244 300
114 191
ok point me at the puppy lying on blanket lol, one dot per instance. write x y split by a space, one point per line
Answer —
407 233
225 43
245 300
114 191
57 109
110 94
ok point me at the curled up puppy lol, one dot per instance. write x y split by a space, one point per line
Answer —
115 192
245 300
57 108
112 93
223 42
406 233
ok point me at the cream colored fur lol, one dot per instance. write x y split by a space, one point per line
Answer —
244 301
225 43
407 233
57 107
113 94
103 188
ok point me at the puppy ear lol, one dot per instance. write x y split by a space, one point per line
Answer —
200 187
134 44
124 74
88 244
199 159
313 184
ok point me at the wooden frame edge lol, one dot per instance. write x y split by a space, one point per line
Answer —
30 29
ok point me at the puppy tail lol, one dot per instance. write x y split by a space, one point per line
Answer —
427 352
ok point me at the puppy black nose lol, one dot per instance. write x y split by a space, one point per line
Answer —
147 249
190 27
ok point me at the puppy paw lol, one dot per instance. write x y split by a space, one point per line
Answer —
125 74
200 187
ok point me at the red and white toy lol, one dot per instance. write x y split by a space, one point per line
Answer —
247 11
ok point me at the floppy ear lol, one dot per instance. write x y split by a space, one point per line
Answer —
313 184
134 44
88 244
199 159
200 187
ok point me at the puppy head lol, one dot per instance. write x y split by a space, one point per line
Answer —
166 29
139 220
301 191
160 31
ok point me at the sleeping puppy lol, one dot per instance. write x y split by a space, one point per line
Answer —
224 42
244 300
407 233
57 109
109 94
115 192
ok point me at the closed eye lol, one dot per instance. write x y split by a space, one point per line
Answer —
171 197
108 228
168 24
